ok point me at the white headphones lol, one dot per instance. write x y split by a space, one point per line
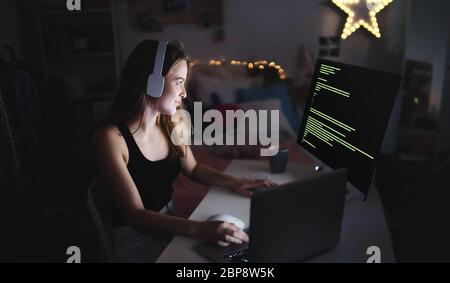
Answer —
155 82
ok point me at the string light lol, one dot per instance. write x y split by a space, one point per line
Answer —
259 65
357 19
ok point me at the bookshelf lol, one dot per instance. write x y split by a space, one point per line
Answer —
80 63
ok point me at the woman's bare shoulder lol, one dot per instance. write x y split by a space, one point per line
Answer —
107 133
109 136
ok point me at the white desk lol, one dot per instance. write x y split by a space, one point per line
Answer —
363 225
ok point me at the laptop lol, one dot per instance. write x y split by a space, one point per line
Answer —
290 223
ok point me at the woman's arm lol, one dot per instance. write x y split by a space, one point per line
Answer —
110 150
209 176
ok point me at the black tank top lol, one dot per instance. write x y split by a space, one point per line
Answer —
153 179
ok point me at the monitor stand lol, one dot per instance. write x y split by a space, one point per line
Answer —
353 193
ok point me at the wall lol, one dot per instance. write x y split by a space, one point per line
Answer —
274 30
427 40
268 29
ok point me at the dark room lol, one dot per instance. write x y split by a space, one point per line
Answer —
201 131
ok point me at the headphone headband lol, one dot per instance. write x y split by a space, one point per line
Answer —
155 83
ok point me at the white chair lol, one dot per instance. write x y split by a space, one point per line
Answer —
101 208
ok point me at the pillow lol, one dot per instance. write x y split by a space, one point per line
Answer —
286 130
278 91
225 89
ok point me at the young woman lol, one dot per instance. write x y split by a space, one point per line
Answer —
138 161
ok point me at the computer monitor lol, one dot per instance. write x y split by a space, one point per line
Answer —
346 115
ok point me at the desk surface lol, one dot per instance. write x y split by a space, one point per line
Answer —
364 224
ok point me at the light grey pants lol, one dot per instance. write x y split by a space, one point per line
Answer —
134 246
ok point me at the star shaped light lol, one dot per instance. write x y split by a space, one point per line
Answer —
361 13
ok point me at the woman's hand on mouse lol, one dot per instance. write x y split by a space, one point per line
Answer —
243 186
220 233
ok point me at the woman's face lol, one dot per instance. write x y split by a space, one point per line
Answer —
174 88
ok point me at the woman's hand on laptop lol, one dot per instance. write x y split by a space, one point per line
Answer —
245 186
220 233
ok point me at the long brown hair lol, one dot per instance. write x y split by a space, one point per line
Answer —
130 97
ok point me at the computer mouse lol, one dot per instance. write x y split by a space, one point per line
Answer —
228 218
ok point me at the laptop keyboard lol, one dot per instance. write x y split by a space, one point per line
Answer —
240 256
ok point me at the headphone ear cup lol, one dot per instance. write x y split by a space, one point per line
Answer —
155 83
155 86
163 83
